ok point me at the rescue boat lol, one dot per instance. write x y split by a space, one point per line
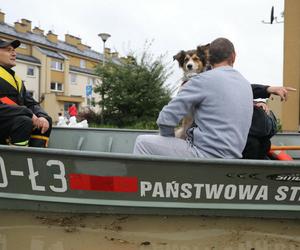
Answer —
93 171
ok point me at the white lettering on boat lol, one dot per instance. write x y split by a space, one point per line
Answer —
32 177
287 178
288 193
203 191
36 181
60 176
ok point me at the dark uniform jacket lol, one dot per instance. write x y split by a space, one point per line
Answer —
263 127
13 90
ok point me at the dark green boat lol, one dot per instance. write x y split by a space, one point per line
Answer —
93 171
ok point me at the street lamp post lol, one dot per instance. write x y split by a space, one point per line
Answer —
104 37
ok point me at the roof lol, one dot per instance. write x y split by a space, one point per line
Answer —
28 58
51 53
42 40
82 70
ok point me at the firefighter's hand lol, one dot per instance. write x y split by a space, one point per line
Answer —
35 121
43 124
281 91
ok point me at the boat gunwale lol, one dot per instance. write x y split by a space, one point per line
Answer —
149 158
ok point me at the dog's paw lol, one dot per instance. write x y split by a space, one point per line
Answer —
180 133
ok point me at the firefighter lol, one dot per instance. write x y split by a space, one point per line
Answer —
22 121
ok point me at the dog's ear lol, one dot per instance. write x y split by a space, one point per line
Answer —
180 57
203 52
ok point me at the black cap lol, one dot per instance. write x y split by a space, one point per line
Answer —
14 43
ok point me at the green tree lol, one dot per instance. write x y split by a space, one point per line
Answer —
133 91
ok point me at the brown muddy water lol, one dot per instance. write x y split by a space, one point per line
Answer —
48 231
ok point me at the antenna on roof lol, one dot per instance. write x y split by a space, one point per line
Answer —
273 18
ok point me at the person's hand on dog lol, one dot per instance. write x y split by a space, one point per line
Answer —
280 91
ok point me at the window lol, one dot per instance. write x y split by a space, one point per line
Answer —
73 78
30 71
56 86
57 65
91 102
82 63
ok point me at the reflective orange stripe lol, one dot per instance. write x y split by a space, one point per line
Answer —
286 147
7 100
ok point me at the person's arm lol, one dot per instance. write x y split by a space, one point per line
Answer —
179 107
260 91
7 110
280 91
264 91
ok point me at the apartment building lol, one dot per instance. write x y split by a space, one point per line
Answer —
57 73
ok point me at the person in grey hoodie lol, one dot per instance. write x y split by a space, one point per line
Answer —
221 101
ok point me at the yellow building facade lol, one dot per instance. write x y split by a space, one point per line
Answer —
291 71
55 72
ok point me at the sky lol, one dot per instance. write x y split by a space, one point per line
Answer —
170 25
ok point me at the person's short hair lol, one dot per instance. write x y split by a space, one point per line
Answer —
220 50
60 114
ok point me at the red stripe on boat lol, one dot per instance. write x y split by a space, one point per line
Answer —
103 183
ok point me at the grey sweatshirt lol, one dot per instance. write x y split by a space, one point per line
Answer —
222 103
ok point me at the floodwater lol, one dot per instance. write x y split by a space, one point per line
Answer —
47 231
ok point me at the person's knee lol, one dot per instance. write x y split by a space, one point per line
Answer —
139 144
138 140
21 130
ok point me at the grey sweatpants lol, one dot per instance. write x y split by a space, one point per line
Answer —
161 145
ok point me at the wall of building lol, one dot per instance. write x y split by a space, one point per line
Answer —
57 76
77 88
31 82
43 59
75 61
51 105
91 65
291 70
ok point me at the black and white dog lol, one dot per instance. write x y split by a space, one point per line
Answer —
192 62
